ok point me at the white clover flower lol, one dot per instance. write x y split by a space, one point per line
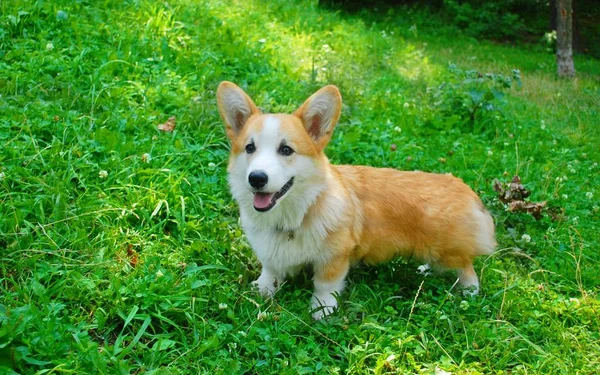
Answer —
543 125
526 237
565 196
406 105
489 153
398 129
159 273
50 46
589 195
222 306
262 315
211 165
146 157
576 220
103 174
439 371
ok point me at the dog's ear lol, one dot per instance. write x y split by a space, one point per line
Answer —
320 113
235 107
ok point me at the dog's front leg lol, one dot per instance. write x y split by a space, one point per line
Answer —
329 281
269 281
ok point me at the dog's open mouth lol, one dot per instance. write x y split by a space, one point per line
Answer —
265 201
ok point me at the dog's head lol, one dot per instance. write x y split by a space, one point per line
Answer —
272 155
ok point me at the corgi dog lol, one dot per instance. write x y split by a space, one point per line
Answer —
297 209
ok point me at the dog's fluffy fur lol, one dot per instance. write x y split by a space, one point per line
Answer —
333 216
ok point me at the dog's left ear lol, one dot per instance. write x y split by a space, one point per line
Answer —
235 107
320 113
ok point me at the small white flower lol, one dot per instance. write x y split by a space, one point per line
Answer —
50 46
526 238
565 196
262 315
222 306
439 371
543 125
2 176
406 105
103 174
398 129
326 48
159 273
146 157
576 219
211 165
490 153
589 195
263 40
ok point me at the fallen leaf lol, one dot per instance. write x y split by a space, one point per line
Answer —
169 125
514 195
533 208
133 256
515 191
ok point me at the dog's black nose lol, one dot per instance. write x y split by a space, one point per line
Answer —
258 179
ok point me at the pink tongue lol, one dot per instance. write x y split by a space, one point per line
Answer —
262 200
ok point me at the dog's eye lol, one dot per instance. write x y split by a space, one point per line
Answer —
285 150
250 148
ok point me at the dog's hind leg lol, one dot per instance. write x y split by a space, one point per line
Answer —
467 278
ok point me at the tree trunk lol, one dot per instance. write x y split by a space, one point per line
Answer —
564 38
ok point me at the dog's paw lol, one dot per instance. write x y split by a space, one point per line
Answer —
424 269
266 285
470 290
323 305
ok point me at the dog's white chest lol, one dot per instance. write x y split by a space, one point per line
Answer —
286 250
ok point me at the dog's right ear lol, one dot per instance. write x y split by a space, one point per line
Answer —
235 107
320 113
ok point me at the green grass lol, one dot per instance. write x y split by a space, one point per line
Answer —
115 262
